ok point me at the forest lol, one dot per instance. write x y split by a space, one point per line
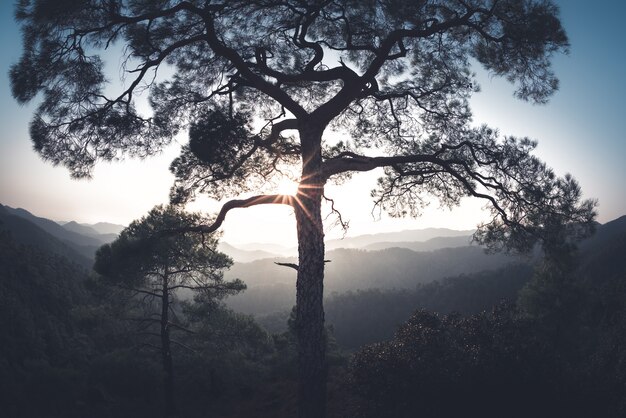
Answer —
526 338
521 316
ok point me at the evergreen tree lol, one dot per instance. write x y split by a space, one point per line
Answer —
396 75
159 268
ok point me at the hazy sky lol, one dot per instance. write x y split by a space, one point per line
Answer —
581 131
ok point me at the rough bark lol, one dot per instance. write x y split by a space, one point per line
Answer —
310 282
166 353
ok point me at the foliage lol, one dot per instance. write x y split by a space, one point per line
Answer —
67 352
559 353
148 247
395 75
488 364
368 316
401 87
38 291
41 346
155 263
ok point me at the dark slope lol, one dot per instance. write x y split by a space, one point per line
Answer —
85 245
25 232
38 289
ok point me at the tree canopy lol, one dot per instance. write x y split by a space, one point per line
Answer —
395 75
140 258
154 267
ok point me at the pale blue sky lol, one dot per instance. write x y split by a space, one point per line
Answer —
582 131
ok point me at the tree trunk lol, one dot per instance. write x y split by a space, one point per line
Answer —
310 284
166 353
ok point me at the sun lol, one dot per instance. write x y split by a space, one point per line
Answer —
287 187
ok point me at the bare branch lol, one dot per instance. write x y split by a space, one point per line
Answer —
180 327
290 265
142 291
178 343
293 265
344 224
274 199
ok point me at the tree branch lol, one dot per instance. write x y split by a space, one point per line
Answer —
349 161
178 343
294 265
243 67
145 292
273 199
180 327
290 265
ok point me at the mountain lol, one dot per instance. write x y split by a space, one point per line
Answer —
80 229
105 228
84 239
89 231
372 315
281 250
367 316
100 228
271 287
417 240
55 229
604 254
605 235
413 235
25 232
244 256
428 245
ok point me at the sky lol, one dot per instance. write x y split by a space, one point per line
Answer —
582 131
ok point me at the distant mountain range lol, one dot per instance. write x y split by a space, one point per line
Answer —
272 287
78 242
245 256
428 239
100 228
400 260
26 232
392 239
406 264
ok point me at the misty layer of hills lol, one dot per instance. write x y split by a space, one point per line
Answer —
388 275
62 344
417 240
72 240
395 260
271 287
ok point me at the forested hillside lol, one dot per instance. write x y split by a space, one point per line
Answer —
81 239
26 232
421 330
270 286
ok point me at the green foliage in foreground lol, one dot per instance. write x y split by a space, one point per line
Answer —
560 352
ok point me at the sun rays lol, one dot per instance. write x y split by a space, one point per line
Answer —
287 186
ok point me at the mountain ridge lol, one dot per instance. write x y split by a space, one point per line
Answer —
26 232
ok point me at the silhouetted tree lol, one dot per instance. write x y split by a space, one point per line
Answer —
159 268
395 75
